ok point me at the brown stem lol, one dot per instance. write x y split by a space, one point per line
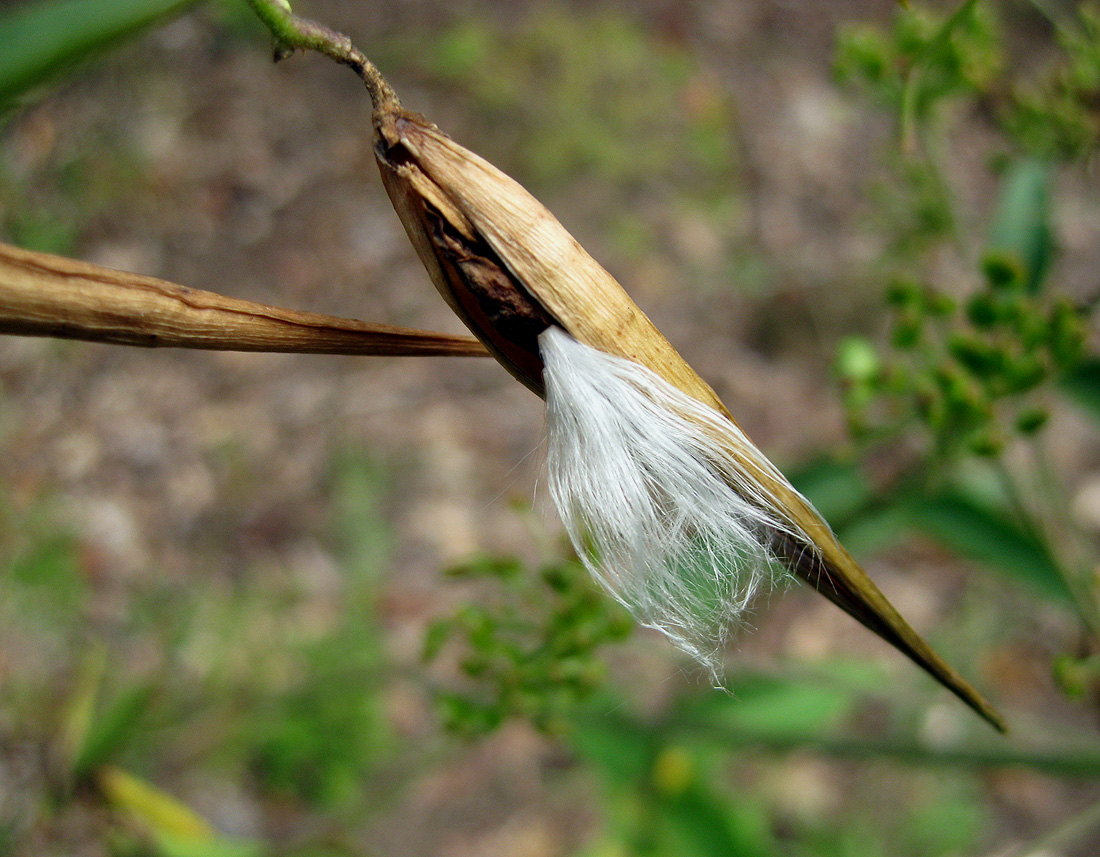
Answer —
45 295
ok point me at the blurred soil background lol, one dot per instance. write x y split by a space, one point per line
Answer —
241 554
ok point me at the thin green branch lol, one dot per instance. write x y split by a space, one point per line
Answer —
1037 524
910 137
292 33
1055 761
1076 564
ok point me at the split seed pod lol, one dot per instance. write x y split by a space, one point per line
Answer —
669 504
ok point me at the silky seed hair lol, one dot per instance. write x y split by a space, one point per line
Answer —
483 237
655 505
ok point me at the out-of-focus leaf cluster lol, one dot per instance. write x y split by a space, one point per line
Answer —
589 95
1057 113
969 368
973 367
969 374
532 651
914 67
928 59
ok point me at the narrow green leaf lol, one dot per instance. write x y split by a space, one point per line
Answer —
112 729
79 710
1082 385
156 811
988 535
842 494
620 747
876 528
1020 243
761 702
220 846
173 828
40 39
838 489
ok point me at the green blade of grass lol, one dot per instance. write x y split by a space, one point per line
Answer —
989 536
1078 760
1082 385
112 729
1020 238
40 39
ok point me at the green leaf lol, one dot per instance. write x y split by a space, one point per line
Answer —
988 535
619 746
40 39
220 846
1082 385
79 710
876 528
838 489
154 810
49 575
707 825
763 703
1020 245
173 827
112 729
841 492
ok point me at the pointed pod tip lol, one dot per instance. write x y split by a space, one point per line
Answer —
837 576
979 705
965 692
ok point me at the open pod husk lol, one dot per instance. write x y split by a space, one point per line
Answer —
508 268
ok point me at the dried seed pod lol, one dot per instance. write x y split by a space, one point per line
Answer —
512 272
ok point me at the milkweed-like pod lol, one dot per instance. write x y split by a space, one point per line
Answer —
562 325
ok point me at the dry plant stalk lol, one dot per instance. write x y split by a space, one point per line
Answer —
46 295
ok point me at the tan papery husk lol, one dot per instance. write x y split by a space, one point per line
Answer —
431 179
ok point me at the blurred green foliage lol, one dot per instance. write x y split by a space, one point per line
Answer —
43 38
531 652
969 376
671 788
292 706
591 94
52 189
928 60
971 372
591 98
47 206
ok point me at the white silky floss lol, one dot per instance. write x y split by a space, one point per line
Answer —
656 507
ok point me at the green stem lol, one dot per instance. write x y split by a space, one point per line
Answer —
1063 542
909 135
1065 762
293 33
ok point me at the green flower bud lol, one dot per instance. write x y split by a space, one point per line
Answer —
1067 333
987 444
1025 374
908 329
1030 421
982 310
857 361
973 353
1003 270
